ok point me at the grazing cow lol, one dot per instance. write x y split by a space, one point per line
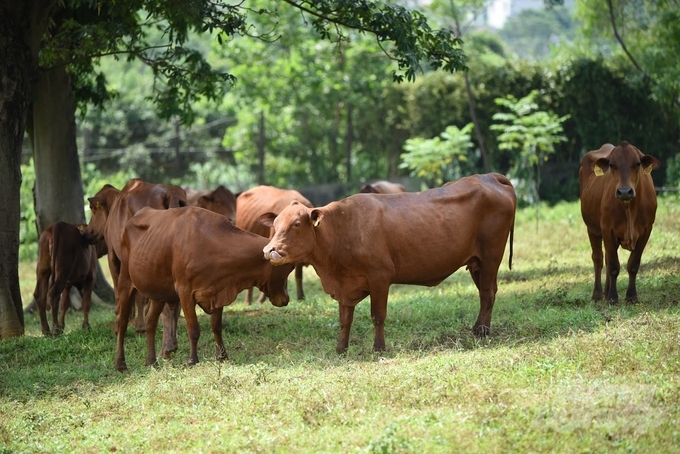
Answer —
65 259
618 205
361 245
188 256
220 200
382 187
253 203
111 209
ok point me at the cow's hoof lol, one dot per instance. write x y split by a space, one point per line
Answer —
481 330
86 326
166 354
121 366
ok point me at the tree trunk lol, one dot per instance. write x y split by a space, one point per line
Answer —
22 24
260 150
58 183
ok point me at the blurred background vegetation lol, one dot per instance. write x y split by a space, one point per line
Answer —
307 112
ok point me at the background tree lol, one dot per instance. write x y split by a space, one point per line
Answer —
531 132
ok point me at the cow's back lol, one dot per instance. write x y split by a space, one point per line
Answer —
253 203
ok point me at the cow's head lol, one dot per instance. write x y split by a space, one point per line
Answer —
276 287
626 165
100 205
221 201
293 239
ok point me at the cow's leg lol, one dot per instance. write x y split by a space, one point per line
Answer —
216 326
55 295
379 296
249 296
125 296
154 311
193 329
261 298
633 265
140 303
169 318
346 317
613 268
88 287
596 246
485 278
65 304
40 295
298 282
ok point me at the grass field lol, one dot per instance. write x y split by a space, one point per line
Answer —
559 373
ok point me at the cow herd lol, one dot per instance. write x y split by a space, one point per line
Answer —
170 248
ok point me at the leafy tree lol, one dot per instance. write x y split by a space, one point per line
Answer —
532 135
439 159
50 47
532 32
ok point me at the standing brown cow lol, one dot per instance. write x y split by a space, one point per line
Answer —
221 201
361 245
618 205
253 203
189 256
65 259
111 209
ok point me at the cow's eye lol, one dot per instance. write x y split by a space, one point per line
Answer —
637 164
297 224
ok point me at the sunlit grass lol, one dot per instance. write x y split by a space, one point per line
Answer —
559 373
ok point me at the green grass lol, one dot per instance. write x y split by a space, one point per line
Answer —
559 373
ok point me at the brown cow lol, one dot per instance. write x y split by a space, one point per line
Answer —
361 245
189 256
253 203
382 187
221 201
111 209
65 259
618 205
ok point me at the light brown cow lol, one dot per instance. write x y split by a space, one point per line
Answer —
220 200
253 203
65 259
382 187
189 256
361 245
111 209
618 205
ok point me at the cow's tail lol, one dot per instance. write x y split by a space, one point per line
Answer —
512 235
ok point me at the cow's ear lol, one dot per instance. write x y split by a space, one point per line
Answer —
601 166
204 199
268 219
649 163
95 204
316 216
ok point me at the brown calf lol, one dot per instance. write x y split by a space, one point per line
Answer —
189 256
65 259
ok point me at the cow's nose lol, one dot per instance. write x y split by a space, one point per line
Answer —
267 252
625 193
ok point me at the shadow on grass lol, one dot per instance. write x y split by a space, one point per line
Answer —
420 321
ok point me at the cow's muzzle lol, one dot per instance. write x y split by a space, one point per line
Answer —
271 255
625 194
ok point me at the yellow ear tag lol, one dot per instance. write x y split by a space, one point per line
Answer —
598 171
81 227
97 206
648 170
316 223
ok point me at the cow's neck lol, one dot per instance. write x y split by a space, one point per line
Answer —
631 236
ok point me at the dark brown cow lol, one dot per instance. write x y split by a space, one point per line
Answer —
618 204
221 201
253 203
382 187
111 209
65 259
188 256
361 245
